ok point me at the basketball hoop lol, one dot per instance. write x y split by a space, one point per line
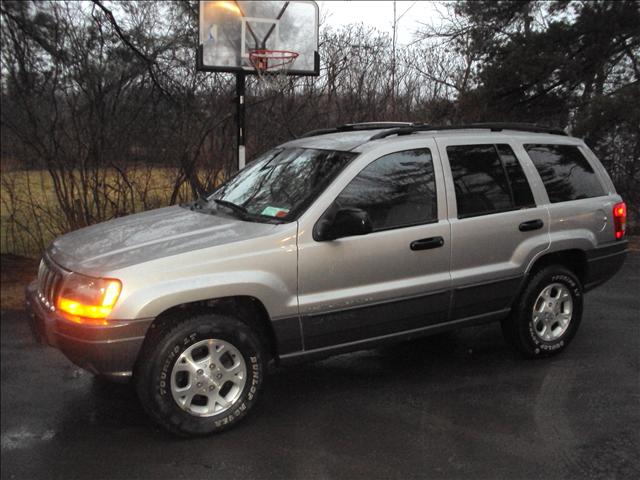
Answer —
272 61
255 40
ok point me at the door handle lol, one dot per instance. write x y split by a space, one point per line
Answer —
427 243
531 225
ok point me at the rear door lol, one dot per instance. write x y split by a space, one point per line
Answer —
497 227
392 280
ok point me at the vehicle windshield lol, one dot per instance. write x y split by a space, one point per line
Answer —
280 184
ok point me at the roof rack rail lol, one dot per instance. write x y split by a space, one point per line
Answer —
494 127
352 127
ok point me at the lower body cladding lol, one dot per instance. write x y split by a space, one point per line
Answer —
110 350
604 262
362 327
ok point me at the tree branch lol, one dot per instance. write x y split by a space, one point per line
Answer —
149 62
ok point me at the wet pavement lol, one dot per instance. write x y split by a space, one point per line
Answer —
455 406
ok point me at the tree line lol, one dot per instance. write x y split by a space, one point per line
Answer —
101 100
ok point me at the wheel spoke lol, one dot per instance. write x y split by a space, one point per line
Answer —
223 402
204 363
219 351
238 367
186 394
188 367
192 364
563 318
234 374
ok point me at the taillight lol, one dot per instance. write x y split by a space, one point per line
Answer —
619 219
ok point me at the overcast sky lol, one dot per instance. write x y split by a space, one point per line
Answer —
379 14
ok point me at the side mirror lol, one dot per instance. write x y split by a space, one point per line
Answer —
347 222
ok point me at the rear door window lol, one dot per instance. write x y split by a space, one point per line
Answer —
487 179
522 196
565 172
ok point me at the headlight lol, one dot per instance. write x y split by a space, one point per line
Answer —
84 298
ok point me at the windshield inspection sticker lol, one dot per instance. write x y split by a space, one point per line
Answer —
275 212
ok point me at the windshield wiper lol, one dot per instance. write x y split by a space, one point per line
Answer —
232 206
245 214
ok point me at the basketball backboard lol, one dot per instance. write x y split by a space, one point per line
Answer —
235 34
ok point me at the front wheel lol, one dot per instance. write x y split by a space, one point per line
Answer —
547 314
201 375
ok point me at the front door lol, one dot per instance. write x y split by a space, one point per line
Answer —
392 280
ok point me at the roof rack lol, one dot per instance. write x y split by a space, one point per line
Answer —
494 127
352 127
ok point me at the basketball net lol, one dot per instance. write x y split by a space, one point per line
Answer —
272 67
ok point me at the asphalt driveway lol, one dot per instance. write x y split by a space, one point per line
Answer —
459 406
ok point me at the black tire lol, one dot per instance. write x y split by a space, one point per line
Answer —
519 328
160 353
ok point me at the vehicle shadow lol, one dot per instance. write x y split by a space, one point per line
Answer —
418 365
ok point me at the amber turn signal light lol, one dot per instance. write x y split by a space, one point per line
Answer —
86 299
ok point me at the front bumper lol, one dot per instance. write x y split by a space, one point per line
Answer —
109 350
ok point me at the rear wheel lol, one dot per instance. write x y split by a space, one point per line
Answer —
201 375
547 314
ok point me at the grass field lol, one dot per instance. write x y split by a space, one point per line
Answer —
30 215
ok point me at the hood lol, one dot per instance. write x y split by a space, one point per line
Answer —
142 237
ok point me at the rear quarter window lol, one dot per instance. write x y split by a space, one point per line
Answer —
565 172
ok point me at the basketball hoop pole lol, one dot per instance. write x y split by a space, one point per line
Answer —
240 83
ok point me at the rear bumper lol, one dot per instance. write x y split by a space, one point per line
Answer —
109 350
604 262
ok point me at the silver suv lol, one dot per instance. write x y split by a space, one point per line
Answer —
345 239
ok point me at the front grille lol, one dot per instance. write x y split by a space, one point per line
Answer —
49 283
